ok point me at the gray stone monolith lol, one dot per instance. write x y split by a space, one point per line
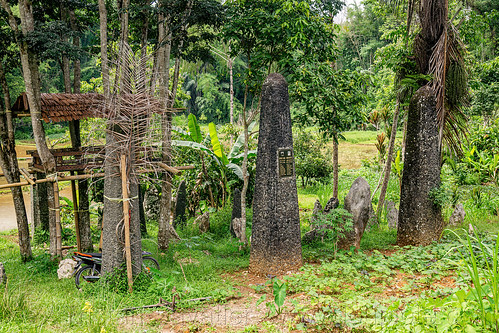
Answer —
3 276
331 204
358 203
457 217
420 219
203 222
392 214
151 203
275 239
180 205
236 210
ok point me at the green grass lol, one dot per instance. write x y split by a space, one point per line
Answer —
346 291
363 137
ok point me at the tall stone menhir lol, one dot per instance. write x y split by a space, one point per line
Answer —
236 210
420 219
275 239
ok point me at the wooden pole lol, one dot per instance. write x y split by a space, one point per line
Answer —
59 179
76 214
169 168
58 231
126 217
26 176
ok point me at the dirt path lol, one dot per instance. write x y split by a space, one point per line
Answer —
237 314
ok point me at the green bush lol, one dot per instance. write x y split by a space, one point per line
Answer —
312 157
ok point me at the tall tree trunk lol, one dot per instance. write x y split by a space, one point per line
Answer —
74 129
230 63
335 166
389 158
103 47
10 167
31 77
166 232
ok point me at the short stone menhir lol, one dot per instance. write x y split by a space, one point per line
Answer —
275 240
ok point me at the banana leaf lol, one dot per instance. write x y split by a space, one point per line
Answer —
236 169
236 148
182 132
217 147
195 131
240 157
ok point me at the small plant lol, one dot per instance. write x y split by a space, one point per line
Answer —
333 226
440 195
279 292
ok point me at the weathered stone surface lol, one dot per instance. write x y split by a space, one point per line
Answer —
203 222
392 214
180 205
331 204
276 243
358 203
237 223
236 210
151 203
457 217
392 218
3 275
420 219
66 269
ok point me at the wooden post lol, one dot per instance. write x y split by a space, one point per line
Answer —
58 230
76 214
32 203
126 218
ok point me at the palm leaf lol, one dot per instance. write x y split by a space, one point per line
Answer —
450 87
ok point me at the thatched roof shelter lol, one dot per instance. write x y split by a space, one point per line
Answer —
67 107
61 107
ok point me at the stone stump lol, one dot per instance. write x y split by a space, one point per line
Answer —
392 214
457 217
180 205
151 203
236 210
358 203
420 219
331 204
275 240
3 275
203 222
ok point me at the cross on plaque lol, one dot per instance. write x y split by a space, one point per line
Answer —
285 162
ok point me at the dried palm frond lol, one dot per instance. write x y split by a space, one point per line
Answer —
133 122
449 84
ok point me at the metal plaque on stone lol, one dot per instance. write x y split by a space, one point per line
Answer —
285 157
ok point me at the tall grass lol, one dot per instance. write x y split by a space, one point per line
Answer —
481 262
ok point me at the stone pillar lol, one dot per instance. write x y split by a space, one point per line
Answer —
275 239
236 210
420 220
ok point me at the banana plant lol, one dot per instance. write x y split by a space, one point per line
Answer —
194 139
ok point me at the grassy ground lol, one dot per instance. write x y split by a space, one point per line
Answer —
380 288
